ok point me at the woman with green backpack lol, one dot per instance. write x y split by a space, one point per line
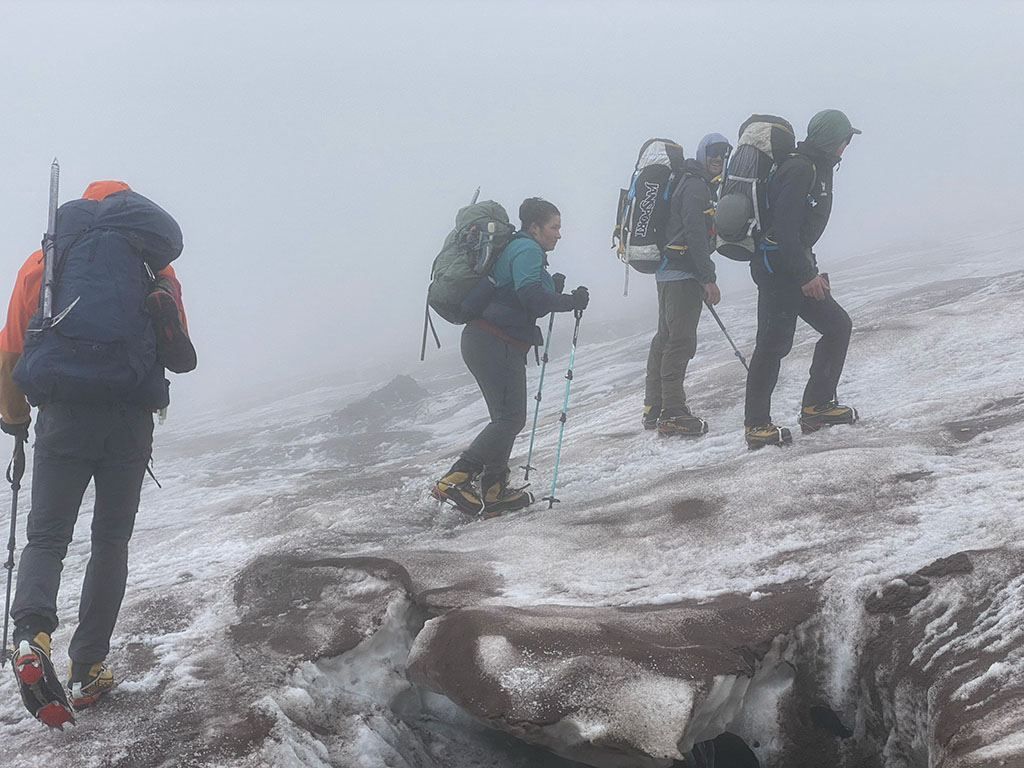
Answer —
494 347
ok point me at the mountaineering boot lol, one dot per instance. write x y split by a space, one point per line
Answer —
766 434
87 682
173 346
41 691
651 415
499 498
814 417
681 423
457 486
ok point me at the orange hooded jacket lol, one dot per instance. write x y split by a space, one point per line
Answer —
14 408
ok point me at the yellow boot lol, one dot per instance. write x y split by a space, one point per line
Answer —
766 434
499 498
88 682
458 487
814 417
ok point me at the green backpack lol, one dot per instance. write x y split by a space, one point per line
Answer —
481 231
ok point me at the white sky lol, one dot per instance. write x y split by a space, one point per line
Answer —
315 153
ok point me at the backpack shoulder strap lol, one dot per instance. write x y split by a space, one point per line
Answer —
675 181
814 172
814 177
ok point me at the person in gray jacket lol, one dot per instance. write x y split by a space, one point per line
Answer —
686 279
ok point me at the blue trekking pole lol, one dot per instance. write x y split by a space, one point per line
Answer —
540 385
565 408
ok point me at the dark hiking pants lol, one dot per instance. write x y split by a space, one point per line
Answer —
500 371
76 443
674 345
779 304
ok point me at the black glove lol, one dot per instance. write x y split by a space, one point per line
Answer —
17 431
559 279
580 298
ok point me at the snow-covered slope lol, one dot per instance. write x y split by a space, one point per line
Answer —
281 577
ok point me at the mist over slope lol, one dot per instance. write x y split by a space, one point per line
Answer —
293 560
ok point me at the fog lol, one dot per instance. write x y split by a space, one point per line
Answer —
315 154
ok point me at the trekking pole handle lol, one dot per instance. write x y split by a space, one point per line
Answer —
16 469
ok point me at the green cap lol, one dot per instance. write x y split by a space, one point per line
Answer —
829 128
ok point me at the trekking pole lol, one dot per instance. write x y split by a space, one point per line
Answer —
551 500
536 408
15 471
722 326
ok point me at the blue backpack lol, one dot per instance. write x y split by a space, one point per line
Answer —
101 346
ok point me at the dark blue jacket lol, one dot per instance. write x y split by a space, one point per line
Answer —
800 202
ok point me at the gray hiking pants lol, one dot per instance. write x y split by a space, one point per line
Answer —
500 371
674 345
76 443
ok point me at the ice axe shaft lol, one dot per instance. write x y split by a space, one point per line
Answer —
50 244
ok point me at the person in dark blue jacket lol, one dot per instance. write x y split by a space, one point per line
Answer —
789 286
94 423
494 347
